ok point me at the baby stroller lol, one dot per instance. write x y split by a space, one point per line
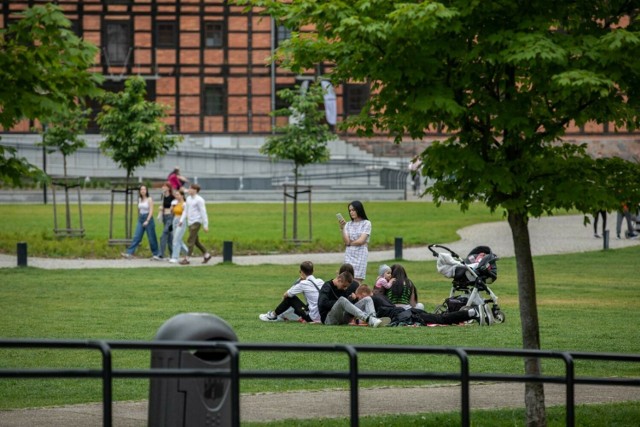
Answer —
470 277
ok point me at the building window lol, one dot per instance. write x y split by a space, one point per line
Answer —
166 34
214 102
75 27
213 34
117 42
355 96
281 103
282 33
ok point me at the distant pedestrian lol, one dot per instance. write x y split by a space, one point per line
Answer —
176 180
625 214
177 207
414 169
195 216
164 215
145 225
355 235
598 213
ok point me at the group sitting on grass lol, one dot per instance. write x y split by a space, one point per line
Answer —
343 300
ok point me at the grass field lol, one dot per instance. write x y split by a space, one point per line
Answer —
587 302
252 227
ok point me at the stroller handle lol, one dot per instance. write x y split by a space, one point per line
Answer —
435 253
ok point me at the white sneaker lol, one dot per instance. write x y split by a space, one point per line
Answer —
375 322
173 260
156 258
126 255
269 317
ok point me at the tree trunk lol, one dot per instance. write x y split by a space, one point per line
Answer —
295 204
534 392
127 221
66 194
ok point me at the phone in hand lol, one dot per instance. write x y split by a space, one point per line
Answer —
340 217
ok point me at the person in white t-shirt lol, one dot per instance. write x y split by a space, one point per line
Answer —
308 285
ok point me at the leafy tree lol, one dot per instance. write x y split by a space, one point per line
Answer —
44 67
14 168
504 79
134 133
62 134
304 139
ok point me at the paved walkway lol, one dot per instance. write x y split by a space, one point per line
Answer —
549 235
265 407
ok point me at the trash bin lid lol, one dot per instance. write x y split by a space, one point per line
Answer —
196 327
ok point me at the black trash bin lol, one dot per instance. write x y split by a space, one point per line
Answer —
191 401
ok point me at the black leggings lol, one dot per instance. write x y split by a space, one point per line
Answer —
595 221
445 318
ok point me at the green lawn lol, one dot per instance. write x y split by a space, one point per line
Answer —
252 227
587 302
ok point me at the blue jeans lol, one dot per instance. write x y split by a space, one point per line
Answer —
150 229
178 233
166 239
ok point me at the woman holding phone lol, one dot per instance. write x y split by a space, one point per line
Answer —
355 235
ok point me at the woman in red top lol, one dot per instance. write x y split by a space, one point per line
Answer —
176 180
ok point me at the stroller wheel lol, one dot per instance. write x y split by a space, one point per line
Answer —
498 316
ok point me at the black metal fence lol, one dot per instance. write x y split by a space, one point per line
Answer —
353 375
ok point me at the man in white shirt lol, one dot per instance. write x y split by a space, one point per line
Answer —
308 285
195 214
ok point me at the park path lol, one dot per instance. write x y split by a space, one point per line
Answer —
549 235
266 407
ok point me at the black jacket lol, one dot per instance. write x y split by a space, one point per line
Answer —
329 294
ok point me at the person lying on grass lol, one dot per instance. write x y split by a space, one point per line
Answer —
416 316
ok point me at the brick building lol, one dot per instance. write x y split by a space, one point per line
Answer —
207 60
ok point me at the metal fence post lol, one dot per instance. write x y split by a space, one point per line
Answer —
398 247
227 251
22 254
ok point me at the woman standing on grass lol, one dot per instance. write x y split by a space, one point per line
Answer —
177 207
355 235
145 224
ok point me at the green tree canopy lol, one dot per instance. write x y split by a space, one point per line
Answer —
134 133
63 132
44 67
304 139
504 79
